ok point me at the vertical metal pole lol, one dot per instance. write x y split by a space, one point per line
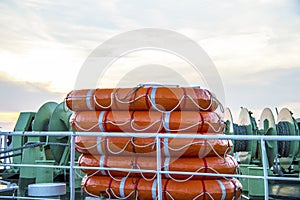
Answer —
72 171
265 167
158 167
5 148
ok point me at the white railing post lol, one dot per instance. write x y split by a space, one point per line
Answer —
158 167
72 170
265 167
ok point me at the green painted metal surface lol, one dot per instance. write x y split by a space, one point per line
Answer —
267 126
252 130
24 121
23 124
29 156
271 146
44 175
59 121
38 153
256 186
245 171
42 118
285 116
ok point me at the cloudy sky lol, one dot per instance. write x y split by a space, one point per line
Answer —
255 45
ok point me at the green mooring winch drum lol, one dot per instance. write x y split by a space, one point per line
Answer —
267 126
287 150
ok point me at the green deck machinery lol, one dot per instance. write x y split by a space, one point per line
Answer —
282 156
42 150
287 150
244 151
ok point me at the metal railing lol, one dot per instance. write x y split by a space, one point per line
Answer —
72 167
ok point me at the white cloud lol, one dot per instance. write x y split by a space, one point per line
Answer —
250 41
152 65
24 95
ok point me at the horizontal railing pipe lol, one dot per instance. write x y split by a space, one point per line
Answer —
157 172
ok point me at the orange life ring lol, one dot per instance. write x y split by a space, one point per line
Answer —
147 121
217 165
175 147
142 98
139 188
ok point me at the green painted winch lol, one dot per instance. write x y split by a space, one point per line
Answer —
282 156
40 150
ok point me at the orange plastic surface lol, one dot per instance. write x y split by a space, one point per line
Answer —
216 165
159 98
138 188
147 121
146 146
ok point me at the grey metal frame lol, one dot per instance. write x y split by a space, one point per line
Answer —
158 171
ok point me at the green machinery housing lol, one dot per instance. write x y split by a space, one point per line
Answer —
282 156
42 150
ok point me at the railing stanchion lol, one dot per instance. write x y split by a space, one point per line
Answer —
158 167
265 167
72 170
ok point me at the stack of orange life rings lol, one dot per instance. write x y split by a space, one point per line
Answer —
154 109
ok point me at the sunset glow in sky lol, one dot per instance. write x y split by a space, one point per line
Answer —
255 45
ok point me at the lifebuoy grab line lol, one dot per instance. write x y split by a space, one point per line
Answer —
164 122
129 189
91 95
210 165
165 146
